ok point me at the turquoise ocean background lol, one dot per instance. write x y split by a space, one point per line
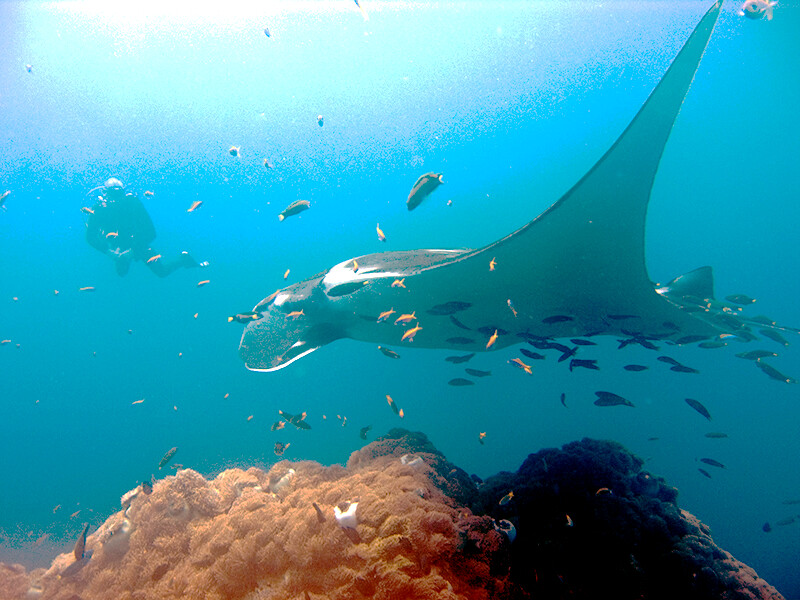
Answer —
512 101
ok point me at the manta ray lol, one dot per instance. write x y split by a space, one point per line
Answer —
578 269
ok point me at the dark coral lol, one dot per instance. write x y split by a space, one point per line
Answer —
590 523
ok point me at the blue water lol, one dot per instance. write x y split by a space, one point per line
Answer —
512 101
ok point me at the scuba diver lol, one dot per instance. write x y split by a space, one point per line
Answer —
119 226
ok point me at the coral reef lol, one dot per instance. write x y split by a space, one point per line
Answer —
588 521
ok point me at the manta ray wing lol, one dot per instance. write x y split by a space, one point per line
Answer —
576 269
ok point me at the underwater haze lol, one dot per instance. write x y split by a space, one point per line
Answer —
512 101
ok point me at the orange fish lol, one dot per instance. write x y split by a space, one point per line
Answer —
481 437
399 283
518 363
195 315
511 306
55 292
112 234
226 395
381 236
5 342
202 283
392 404
56 508
138 401
355 265
492 264
250 418
401 413
405 318
409 335
88 288
285 275
492 340
195 205
385 315
154 258
295 314
148 194
75 514
87 210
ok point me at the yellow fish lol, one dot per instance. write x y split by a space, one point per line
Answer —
409 335
406 318
492 340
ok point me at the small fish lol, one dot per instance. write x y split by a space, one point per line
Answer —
153 258
355 265
683 369
756 354
458 323
448 308
712 462
29 68
147 488
409 335
582 342
392 403
138 401
381 235
320 516
517 362
344 289
167 457
268 164
55 509
87 210
296 420
712 345
492 340
635 368
611 399
112 234
567 353
671 361
786 521
532 355
266 31
294 208
244 317
459 359
478 372
148 194
235 151
7 193
399 283
423 188
405 318
320 120
569 521
740 299
585 363
492 264
774 336
362 433
766 528
704 473
564 400
286 274
385 315
79 551
276 426
204 282
481 437
556 319
511 306
460 382
363 12
716 435
699 408
295 314
388 352
773 373
88 288
280 448
506 499
690 339
195 205
603 491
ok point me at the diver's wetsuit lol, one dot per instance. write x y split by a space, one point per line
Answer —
125 215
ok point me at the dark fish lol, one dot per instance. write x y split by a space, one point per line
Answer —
766 528
699 408
458 323
296 420
448 308
460 381
704 472
740 299
712 345
147 488
362 433
774 336
568 353
715 435
245 317
670 325
423 188
773 373
622 317
786 521
763 320
167 457
389 353
318 510
280 448
478 373
533 355
556 319
691 339
683 369
560 347
611 399
581 342
712 462
460 340
585 363
564 400
669 360
343 289
80 546
294 208
756 354
635 368
459 359
792 501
